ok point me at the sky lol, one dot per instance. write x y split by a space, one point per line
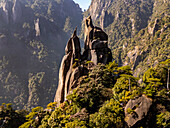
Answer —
84 4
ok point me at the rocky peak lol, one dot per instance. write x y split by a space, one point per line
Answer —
73 63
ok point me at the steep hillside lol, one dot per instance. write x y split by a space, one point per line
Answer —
109 96
125 20
120 18
33 34
150 46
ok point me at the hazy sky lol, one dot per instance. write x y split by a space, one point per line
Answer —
84 4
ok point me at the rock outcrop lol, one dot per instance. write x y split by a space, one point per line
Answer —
4 11
67 73
96 44
153 28
11 12
16 11
139 109
72 65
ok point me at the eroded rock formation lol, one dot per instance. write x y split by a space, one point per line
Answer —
72 65
139 108
96 44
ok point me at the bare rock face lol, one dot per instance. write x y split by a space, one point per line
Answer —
16 11
139 109
37 27
4 11
73 54
96 44
71 69
10 11
153 28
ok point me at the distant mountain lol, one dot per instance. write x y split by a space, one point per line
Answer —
33 34
125 20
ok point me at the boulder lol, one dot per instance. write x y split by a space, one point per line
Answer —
100 53
139 109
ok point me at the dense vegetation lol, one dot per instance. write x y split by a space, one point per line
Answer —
29 60
139 37
101 97
145 50
129 24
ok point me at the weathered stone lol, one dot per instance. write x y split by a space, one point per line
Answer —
96 51
16 11
77 72
4 11
59 97
140 107
96 45
11 11
100 53
88 33
154 28
98 33
73 54
37 27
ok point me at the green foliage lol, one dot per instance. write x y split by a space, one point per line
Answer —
27 53
143 49
126 88
31 117
110 115
163 119
94 89
67 27
130 111
26 26
35 82
100 99
51 105
76 123
10 117
156 79
39 50
125 70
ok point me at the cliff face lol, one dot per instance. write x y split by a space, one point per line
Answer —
32 36
121 19
125 21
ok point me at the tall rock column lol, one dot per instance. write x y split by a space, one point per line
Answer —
72 56
96 44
